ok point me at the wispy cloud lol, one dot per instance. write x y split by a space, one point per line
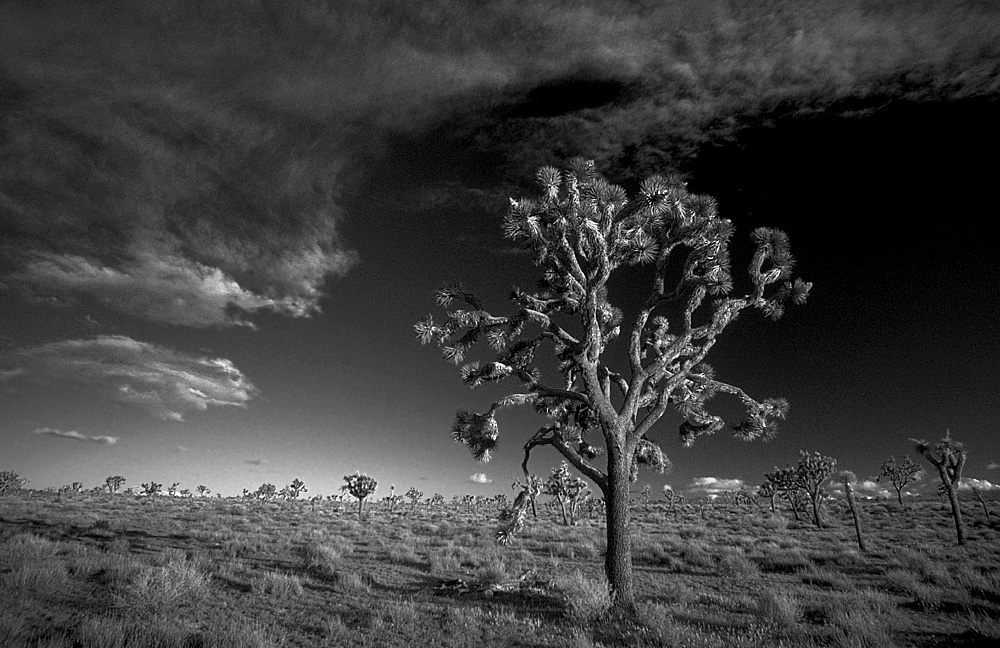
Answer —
992 465
714 485
257 462
78 436
168 384
480 478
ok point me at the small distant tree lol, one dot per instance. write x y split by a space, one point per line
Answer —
978 494
567 490
436 501
114 484
296 488
899 474
152 489
414 496
848 480
671 497
646 491
359 486
267 491
172 489
811 473
948 457
768 490
11 482
203 490
785 482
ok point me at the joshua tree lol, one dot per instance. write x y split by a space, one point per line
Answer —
786 483
11 482
114 484
267 491
949 458
296 488
203 490
811 473
978 494
567 490
769 490
414 496
582 231
848 479
172 488
359 486
436 501
899 475
646 490
152 489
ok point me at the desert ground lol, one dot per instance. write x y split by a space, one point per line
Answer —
107 571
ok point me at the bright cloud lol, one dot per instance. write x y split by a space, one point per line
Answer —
714 485
969 482
79 436
872 487
992 465
480 478
167 384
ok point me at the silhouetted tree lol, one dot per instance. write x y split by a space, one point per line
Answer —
582 231
360 487
114 484
899 474
567 490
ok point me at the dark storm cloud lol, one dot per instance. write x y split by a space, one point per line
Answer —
185 161
167 384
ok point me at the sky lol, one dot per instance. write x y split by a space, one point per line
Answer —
219 222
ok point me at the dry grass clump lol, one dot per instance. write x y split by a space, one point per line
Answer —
781 609
276 584
157 589
586 599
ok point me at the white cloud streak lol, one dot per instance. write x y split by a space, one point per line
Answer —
968 483
165 383
78 436
480 478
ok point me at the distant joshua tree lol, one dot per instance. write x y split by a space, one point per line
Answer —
582 232
436 501
11 482
114 484
569 491
296 488
203 490
359 486
414 496
152 489
978 494
948 457
811 473
899 474
172 488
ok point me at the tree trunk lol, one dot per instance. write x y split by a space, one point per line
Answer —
956 511
361 506
562 510
857 518
618 558
815 506
899 496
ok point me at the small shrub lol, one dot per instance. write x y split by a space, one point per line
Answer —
322 558
154 590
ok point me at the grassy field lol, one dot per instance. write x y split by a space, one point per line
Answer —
91 571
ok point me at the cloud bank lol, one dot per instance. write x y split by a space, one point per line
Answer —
79 436
165 383
714 485
480 478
